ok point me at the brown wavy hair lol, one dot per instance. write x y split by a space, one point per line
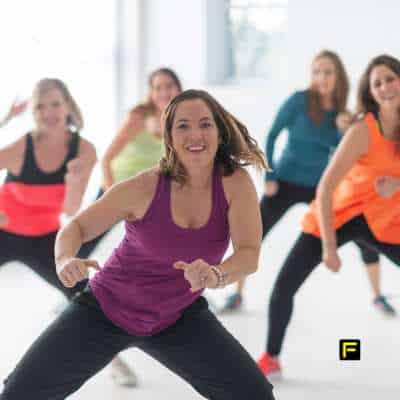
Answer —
340 93
236 149
365 101
148 107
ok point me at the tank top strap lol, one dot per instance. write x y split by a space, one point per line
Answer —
73 146
159 204
374 133
29 164
221 203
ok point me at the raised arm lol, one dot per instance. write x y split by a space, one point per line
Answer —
353 146
77 177
16 108
131 127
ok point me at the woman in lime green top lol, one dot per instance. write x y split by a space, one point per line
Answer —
138 144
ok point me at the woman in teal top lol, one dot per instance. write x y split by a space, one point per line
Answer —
315 120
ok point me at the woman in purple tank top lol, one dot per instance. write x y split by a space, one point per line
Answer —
179 218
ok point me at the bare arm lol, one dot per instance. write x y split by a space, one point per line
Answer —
245 229
77 177
16 108
127 200
11 156
353 146
131 127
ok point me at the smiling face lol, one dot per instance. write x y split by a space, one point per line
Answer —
323 76
50 111
163 89
384 86
194 134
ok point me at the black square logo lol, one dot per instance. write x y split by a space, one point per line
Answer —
349 349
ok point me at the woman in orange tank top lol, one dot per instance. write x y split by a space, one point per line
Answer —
357 199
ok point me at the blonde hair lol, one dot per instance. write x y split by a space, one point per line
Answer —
75 118
236 148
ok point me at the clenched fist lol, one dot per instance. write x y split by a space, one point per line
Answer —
75 270
331 259
199 274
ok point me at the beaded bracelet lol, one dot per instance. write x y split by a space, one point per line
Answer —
222 277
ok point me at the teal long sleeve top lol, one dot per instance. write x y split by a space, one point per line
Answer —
308 147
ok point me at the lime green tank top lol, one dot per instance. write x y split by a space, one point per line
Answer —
143 152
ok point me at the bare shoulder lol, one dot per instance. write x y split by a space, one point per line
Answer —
357 136
360 126
239 183
135 194
12 155
87 148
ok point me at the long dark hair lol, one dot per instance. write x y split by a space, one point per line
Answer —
365 101
148 107
236 149
340 93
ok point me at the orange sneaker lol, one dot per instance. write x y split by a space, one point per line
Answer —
269 366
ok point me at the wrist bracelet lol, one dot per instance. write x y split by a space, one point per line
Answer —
222 277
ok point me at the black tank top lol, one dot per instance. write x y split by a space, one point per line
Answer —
33 200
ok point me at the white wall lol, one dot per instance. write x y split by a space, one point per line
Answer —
175 37
357 30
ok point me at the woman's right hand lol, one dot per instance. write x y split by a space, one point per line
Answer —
331 258
271 188
17 108
75 270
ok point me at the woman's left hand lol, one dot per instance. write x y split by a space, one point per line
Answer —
199 274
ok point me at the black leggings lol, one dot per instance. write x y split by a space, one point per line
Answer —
82 341
273 208
301 261
37 252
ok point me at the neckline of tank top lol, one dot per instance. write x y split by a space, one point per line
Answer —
215 177
379 128
155 137
66 159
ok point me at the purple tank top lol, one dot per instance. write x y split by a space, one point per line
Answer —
138 289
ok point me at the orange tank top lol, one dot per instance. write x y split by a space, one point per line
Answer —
356 193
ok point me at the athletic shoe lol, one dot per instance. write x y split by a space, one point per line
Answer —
269 366
383 305
122 375
233 303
